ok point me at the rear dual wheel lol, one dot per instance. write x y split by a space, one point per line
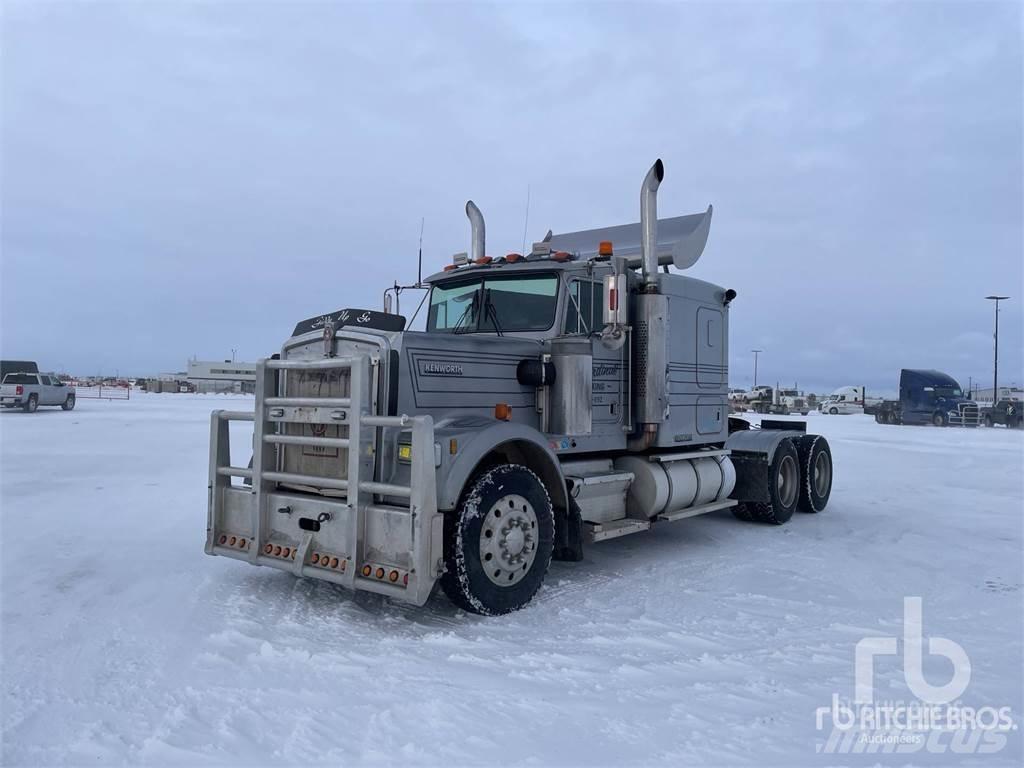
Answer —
783 489
815 472
498 543
799 477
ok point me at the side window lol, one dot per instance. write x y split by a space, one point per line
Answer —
44 380
589 295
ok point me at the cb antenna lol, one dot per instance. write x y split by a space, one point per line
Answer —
526 221
419 265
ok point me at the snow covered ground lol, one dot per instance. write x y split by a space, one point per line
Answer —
707 641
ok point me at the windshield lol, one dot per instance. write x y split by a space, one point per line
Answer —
494 304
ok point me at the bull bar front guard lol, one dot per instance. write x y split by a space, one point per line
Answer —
241 523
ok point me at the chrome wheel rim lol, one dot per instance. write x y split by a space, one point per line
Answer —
822 474
508 540
788 482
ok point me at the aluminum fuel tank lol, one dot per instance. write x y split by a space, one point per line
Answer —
668 485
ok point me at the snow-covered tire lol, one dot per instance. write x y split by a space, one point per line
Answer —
783 487
834 411
987 421
31 404
69 403
493 567
742 512
939 419
815 473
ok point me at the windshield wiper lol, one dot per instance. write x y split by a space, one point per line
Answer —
491 312
469 311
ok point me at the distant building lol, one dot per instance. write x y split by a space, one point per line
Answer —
221 376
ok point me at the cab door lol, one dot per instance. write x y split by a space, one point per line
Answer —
46 388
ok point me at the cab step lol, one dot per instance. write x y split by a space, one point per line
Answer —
694 511
613 529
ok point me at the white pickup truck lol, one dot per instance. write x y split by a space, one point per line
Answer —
28 391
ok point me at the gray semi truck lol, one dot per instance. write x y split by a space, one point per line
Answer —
555 400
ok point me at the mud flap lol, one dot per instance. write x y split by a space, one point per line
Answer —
752 471
568 534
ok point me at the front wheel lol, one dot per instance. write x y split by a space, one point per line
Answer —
31 404
939 419
69 404
498 543
833 411
987 421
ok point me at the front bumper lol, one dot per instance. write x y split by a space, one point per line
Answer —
350 537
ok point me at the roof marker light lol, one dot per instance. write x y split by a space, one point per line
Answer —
604 248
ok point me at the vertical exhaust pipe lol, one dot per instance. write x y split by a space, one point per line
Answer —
476 221
649 223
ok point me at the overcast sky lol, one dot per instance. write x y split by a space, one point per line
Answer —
182 179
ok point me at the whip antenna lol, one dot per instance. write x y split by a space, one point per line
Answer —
526 221
419 265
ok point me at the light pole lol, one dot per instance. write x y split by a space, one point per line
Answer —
995 362
756 353
233 350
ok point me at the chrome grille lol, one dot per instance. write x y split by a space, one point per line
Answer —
314 460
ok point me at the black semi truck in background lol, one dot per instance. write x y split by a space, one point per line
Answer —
928 397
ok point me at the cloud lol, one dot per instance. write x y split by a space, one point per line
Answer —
183 179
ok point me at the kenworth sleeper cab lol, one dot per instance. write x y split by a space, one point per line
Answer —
555 399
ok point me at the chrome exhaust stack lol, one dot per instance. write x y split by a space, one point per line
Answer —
476 221
649 224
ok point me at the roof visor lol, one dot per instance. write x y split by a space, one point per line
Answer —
678 241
